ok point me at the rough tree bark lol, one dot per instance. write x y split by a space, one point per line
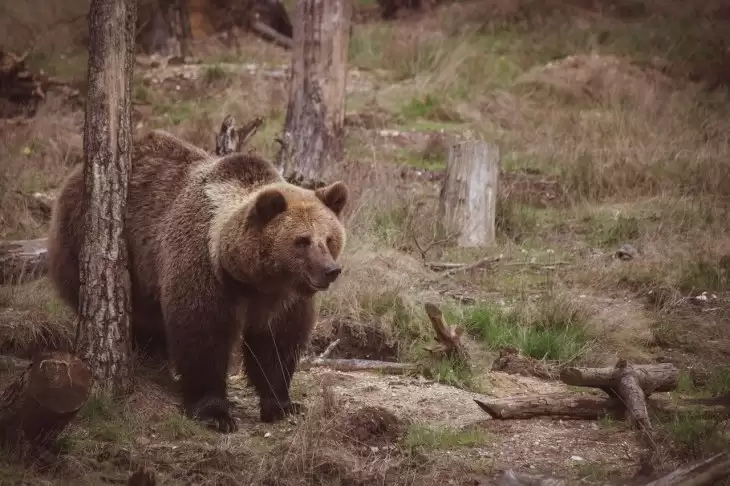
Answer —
468 198
313 137
45 397
104 303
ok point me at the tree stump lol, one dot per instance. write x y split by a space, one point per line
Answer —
104 301
22 261
468 198
313 137
43 400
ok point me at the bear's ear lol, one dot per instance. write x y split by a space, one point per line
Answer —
334 196
269 204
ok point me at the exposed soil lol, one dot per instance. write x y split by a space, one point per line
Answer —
355 340
373 427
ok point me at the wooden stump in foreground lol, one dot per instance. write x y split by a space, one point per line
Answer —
22 261
468 198
43 400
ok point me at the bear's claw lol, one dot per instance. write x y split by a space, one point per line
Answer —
215 413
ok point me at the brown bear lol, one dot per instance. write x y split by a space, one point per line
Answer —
222 250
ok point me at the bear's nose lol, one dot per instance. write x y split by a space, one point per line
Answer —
332 272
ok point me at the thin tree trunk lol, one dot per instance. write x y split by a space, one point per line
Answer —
314 130
104 302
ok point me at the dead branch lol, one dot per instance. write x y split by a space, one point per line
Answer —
563 404
230 139
511 361
448 339
21 90
629 389
43 399
389 367
22 261
328 350
513 478
661 377
705 472
579 406
472 266
269 34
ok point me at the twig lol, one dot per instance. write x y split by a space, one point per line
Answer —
472 266
390 367
328 350
269 34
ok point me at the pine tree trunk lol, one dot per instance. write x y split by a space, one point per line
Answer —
313 137
104 303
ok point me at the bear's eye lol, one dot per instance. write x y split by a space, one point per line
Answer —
303 241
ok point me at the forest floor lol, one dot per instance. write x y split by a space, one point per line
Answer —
612 127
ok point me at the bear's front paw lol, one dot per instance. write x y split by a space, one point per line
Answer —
214 412
271 410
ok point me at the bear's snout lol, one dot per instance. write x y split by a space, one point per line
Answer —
331 272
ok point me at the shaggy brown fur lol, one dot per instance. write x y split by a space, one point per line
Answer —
219 248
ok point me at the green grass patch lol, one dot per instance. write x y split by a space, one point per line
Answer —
552 330
105 420
178 112
696 436
176 426
444 438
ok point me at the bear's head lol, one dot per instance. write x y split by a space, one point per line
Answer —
286 238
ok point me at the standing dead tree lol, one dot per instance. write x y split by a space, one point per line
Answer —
104 301
468 197
313 138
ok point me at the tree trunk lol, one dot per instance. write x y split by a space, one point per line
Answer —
468 198
38 405
22 261
104 303
313 136
185 35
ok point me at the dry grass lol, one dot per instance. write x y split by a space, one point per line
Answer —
604 142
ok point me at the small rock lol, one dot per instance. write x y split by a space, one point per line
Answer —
142 441
626 252
267 435
576 458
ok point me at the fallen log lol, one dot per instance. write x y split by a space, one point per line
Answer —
562 404
702 473
341 364
22 261
42 401
573 405
662 377
631 384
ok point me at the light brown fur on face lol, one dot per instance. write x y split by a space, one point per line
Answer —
221 250
291 235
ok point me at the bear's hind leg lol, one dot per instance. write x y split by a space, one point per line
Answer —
271 354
